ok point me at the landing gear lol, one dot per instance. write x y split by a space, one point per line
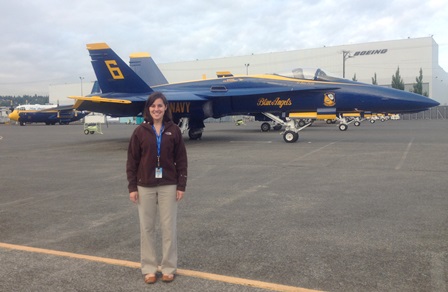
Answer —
343 127
266 127
344 122
277 127
290 136
195 128
195 134
292 127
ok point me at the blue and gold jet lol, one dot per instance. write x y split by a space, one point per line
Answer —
284 98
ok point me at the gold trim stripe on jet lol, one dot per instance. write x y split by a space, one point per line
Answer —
97 46
312 115
99 99
139 55
351 115
135 265
302 80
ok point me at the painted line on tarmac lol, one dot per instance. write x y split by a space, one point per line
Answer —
135 265
250 142
314 151
405 154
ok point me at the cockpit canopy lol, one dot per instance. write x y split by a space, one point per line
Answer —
311 74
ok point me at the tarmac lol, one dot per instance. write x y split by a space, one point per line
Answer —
360 210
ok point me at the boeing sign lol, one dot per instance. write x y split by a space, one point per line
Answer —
371 52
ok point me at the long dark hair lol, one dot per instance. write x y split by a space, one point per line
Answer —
151 99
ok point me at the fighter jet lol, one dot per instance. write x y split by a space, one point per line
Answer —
284 98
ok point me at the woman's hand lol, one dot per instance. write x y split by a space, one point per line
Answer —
133 196
179 195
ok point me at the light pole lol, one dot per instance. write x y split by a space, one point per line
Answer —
81 78
247 68
345 55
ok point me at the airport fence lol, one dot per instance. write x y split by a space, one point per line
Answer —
435 113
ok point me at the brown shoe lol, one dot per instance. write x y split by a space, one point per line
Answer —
150 278
168 278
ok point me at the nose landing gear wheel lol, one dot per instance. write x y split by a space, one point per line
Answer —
343 127
290 137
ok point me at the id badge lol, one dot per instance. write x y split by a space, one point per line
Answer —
158 172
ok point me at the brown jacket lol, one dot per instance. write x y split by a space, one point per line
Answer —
142 158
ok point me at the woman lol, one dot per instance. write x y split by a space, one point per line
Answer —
156 169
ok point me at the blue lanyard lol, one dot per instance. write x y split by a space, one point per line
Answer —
159 142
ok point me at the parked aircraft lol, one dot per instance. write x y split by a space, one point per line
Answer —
283 98
146 69
48 114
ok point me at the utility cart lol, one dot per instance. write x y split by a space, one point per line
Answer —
92 128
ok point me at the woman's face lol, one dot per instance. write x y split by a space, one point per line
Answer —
157 110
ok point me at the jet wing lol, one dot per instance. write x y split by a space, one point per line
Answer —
171 96
99 99
61 108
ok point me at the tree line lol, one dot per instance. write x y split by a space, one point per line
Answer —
397 82
13 101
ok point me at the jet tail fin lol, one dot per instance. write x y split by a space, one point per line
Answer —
95 88
112 73
146 68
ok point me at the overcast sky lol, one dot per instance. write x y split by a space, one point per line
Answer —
43 42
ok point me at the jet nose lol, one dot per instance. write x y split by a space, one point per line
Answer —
14 116
416 102
426 102
433 103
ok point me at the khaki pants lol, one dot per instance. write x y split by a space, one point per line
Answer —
149 199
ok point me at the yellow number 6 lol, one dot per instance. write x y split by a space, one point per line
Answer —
114 69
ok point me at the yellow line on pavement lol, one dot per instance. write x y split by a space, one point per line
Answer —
188 273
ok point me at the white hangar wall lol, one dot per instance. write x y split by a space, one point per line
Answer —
367 59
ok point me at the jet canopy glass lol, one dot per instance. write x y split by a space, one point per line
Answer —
309 74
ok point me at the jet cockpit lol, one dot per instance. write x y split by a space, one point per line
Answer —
315 74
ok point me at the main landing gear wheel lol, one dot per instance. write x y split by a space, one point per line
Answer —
290 137
265 127
343 127
194 134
